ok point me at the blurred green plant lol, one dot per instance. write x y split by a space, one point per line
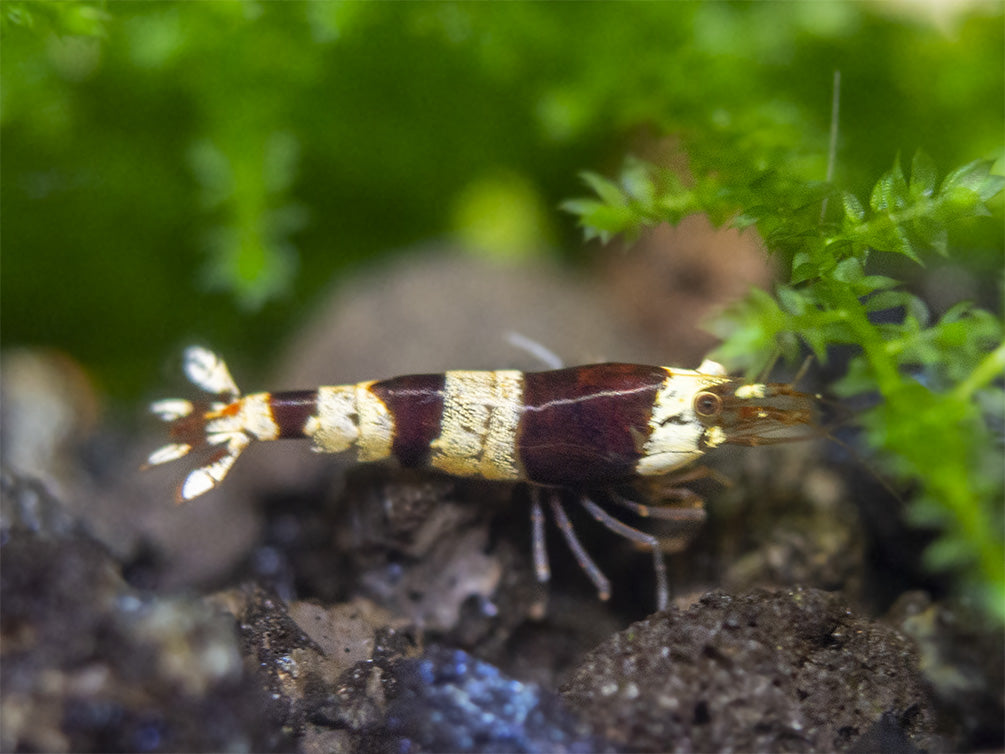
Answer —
940 382
175 171
87 19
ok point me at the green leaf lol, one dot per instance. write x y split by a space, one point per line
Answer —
924 511
804 272
858 379
879 282
924 176
890 191
853 210
917 310
957 312
991 187
948 552
975 176
579 207
848 271
609 192
792 300
888 300
637 182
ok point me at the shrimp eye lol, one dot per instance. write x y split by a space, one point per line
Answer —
707 404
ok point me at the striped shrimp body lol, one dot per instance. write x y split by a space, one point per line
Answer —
586 427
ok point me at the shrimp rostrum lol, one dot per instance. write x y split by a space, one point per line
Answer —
582 429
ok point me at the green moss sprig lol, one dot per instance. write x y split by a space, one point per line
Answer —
940 381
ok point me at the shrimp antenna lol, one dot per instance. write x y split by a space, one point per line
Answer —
802 371
832 145
763 376
848 417
866 465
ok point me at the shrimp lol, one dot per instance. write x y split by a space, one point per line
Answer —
579 428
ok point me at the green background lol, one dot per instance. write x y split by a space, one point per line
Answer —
202 171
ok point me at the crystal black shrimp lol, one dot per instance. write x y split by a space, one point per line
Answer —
578 428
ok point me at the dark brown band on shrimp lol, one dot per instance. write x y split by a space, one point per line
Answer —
291 410
415 403
586 425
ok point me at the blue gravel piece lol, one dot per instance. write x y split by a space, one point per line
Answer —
450 701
